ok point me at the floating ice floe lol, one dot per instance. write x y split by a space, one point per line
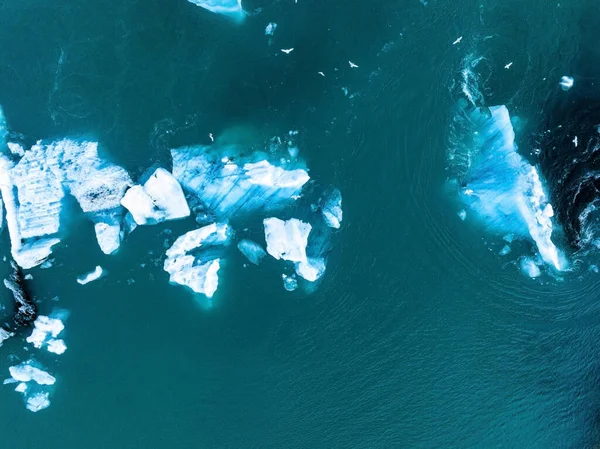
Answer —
45 333
93 275
228 189
252 250
193 260
4 335
502 189
33 383
232 8
530 267
159 199
290 283
566 82
287 240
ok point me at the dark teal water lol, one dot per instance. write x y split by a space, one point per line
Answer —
419 335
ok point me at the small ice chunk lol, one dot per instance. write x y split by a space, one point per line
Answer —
91 276
529 267
28 277
290 283
108 237
462 214
21 387
509 238
57 346
16 149
287 51
566 82
293 151
332 209
38 401
505 250
159 199
270 29
252 250
26 373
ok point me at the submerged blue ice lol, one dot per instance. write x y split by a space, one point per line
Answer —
232 8
505 191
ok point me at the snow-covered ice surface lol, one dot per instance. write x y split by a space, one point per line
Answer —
232 8
93 275
503 190
229 185
159 199
193 260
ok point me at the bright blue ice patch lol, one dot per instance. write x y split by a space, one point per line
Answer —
232 8
500 188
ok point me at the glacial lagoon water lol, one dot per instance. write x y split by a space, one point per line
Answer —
423 331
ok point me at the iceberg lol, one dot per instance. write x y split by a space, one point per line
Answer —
159 199
232 8
193 260
252 250
227 188
287 240
503 189
93 275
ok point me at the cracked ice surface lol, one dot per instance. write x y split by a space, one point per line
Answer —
228 188
192 260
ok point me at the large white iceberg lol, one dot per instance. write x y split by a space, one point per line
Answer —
287 240
227 188
159 199
193 259
232 8
503 189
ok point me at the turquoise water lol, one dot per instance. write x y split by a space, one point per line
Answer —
419 334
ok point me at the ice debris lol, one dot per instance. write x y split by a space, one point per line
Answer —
566 82
193 259
252 250
290 283
159 199
232 8
93 275
26 372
